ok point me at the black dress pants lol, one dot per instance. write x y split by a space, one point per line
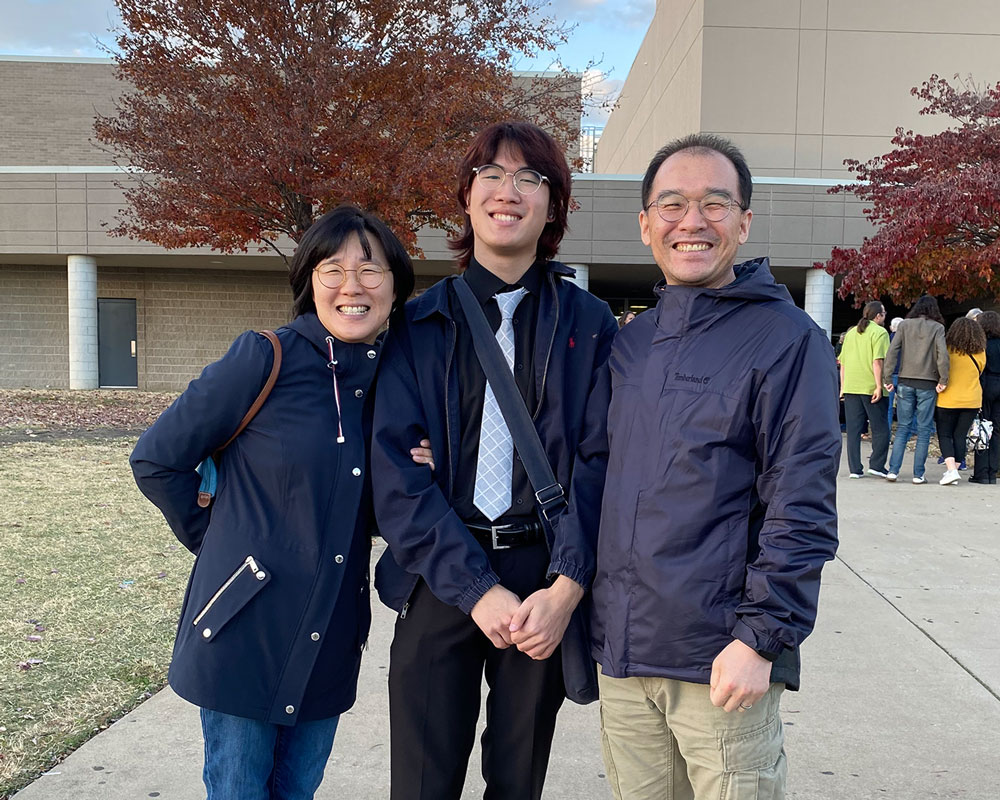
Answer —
437 662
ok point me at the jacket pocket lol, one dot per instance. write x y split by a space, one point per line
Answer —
230 598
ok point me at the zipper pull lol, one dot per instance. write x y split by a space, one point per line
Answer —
406 607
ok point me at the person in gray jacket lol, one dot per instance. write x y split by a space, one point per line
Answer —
922 357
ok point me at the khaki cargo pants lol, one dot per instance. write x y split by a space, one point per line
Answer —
664 740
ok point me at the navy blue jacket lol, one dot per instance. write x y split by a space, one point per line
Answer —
419 396
719 508
277 638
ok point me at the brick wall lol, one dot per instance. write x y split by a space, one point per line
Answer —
185 319
48 112
34 327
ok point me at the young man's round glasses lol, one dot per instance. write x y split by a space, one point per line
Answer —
714 207
333 276
526 181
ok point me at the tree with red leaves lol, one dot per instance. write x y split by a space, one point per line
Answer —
935 201
244 120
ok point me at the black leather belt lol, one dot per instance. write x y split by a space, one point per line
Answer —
503 537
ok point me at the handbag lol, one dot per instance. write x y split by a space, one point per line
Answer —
980 433
579 668
981 430
208 469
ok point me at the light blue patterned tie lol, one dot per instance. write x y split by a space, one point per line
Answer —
496 448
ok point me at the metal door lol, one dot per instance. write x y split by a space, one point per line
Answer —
116 362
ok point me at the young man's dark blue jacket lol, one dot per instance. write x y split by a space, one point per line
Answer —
719 509
280 642
419 397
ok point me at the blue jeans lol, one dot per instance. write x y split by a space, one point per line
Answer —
914 409
250 760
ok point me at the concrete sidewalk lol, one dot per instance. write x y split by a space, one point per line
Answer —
901 679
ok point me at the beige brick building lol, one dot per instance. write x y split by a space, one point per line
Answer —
798 84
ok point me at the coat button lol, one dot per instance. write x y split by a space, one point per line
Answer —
207 633
359 393
338 559
314 636
356 472
371 354
289 709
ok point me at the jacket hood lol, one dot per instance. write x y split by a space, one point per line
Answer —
684 308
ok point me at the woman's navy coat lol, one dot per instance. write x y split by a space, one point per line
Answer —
419 396
277 608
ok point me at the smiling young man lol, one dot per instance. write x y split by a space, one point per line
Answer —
719 507
480 584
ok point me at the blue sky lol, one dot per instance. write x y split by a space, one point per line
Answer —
608 32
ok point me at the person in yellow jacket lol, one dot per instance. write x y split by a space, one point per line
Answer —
958 403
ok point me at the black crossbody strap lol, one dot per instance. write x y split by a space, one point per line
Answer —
549 494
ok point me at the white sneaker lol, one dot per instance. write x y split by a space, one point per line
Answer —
878 474
950 478
855 475
891 477
920 480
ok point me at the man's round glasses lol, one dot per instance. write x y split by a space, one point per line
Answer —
713 207
526 181
333 276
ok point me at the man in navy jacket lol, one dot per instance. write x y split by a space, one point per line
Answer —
719 508
483 586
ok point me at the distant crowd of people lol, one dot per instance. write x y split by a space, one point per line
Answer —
948 381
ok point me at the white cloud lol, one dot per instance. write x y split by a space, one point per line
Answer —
56 27
600 93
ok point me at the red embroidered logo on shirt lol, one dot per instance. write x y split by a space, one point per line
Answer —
572 344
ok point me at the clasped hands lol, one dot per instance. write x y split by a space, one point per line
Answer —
535 625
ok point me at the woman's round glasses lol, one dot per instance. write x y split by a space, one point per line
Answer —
332 276
492 176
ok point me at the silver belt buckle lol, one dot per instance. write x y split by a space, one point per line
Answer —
494 529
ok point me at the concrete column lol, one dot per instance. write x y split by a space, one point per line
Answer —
82 285
582 278
819 298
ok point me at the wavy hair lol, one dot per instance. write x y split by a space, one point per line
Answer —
965 336
926 307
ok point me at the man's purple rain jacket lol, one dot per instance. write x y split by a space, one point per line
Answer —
719 507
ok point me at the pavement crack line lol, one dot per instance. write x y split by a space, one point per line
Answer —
916 625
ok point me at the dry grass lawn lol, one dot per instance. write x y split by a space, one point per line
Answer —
92 581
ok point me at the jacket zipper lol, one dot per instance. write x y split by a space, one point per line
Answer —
249 562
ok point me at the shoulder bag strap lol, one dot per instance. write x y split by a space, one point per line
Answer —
977 365
548 492
207 468
264 392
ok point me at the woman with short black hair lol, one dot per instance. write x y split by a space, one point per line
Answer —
277 607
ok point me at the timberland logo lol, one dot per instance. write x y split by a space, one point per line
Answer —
702 381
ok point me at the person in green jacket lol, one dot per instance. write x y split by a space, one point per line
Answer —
861 359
